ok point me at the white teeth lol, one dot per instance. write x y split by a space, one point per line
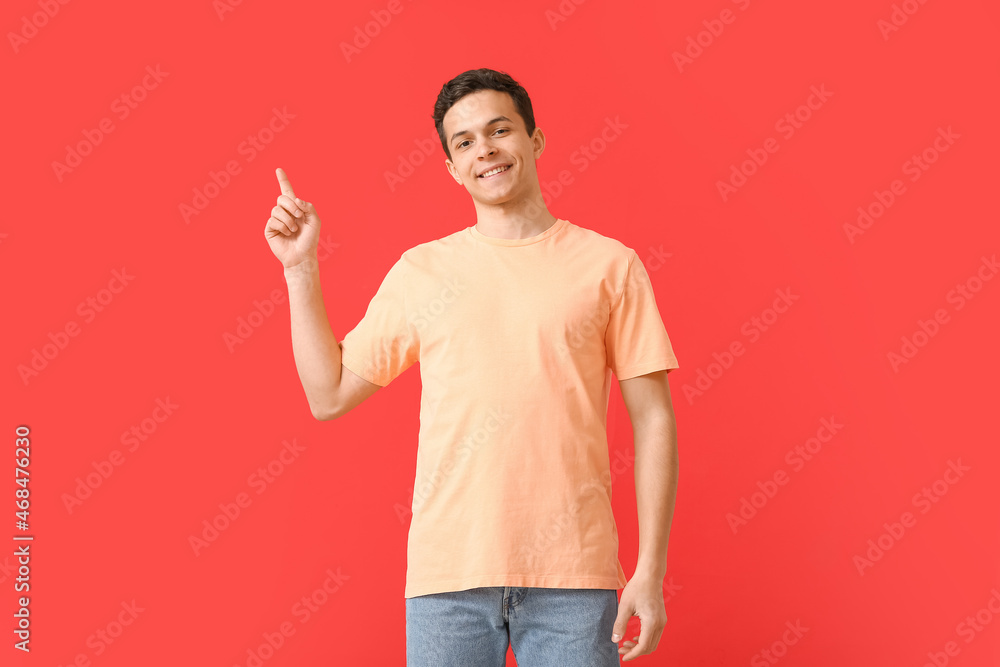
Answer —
494 171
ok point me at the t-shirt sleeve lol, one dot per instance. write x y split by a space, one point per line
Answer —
636 340
384 343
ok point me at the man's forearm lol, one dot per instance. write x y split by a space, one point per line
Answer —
655 492
316 351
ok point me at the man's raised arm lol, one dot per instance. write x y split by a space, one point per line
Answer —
292 231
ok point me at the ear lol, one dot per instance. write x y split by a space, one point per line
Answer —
538 140
450 166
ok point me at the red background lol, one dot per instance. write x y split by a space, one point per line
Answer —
655 187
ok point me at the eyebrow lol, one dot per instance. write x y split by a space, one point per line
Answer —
498 119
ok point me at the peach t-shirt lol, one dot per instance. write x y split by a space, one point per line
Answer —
517 340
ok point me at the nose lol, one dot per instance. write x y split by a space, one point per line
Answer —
486 149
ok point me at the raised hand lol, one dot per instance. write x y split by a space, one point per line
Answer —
292 231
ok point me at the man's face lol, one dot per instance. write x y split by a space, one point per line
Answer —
484 131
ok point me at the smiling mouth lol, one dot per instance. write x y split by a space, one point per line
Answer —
491 174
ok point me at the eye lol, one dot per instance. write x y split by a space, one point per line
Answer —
502 129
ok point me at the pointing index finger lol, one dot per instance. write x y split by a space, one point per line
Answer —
286 186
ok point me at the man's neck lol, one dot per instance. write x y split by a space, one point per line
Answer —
515 226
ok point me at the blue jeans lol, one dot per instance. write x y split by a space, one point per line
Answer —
563 627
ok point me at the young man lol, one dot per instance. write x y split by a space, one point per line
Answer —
518 323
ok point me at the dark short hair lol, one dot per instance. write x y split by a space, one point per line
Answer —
481 79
